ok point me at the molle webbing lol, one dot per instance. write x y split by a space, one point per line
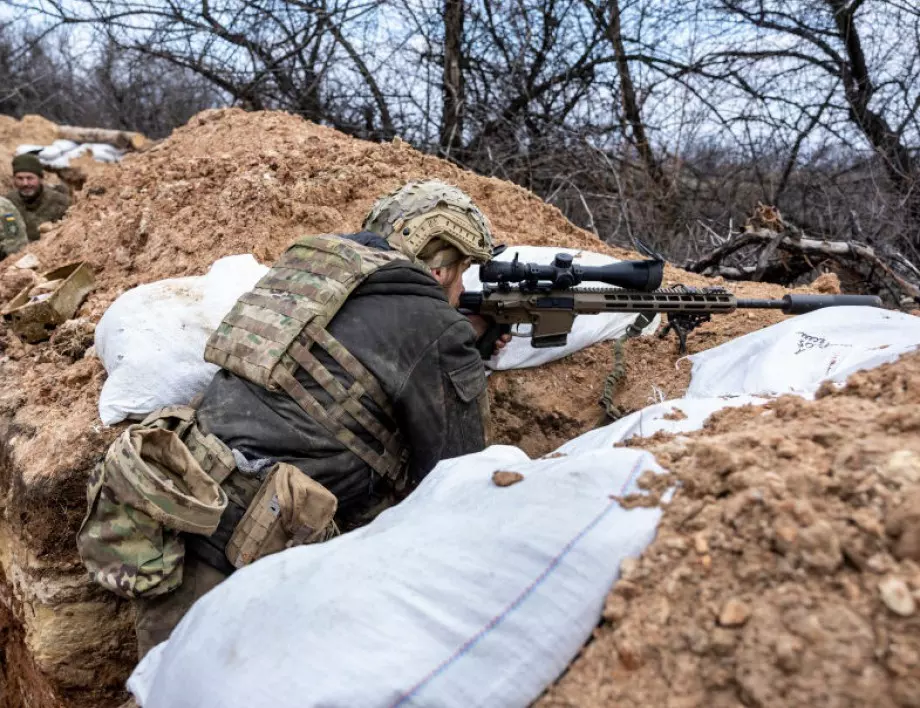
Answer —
271 330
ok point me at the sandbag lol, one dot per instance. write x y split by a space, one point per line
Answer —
680 415
465 594
151 339
798 354
587 330
62 152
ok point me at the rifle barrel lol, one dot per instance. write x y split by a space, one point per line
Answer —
800 304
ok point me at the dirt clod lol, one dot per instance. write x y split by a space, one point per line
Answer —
734 613
504 478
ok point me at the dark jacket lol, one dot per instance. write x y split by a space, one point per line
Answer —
49 205
399 324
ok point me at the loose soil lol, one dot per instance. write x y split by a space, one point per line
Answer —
786 570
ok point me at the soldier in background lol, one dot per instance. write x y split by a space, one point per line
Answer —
35 203
12 228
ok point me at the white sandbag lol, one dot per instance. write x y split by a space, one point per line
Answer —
28 147
465 594
61 152
53 154
151 339
681 415
798 354
587 330
103 152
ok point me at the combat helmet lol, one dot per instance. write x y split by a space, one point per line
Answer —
418 212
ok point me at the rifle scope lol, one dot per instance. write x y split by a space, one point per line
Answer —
635 275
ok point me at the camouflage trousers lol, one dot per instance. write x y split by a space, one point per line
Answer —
156 617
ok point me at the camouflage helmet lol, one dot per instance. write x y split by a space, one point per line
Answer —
418 212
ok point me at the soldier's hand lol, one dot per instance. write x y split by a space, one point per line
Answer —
480 325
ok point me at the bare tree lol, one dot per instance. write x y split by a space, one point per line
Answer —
452 106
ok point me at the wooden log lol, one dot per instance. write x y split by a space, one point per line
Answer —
121 139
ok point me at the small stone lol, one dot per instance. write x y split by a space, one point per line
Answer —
897 597
27 262
706 562
734 613
701 544
504 478
880 563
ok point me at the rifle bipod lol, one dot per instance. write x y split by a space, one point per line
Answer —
683 323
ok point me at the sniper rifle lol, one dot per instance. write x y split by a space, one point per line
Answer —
545 297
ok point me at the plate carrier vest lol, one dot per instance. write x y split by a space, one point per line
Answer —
271 331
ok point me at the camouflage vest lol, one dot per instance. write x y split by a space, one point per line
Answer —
270 332
12 228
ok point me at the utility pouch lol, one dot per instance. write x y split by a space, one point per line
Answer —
290 509
147 490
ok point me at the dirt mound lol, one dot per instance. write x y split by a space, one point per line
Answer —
32 130
787 569
234 182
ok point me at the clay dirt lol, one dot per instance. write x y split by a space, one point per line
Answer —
211 190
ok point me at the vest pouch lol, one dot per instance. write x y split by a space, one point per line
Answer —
146 491
290 509
214 457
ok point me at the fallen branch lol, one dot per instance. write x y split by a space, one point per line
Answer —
863 258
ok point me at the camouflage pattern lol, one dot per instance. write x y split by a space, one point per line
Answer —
269 333
49 205
214 457
290 509
418 212
12 228
147 490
